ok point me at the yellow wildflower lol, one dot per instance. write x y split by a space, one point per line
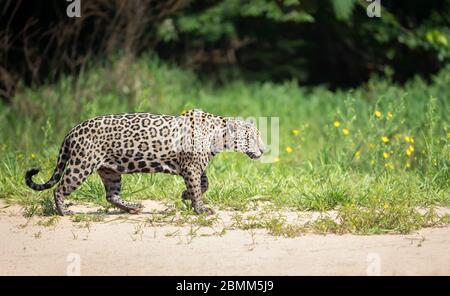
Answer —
386 154
377 114
358 153
448 135
289 149
389 115
410 150
389 165
408 165
345 131
337 124
384 139
407 139
296 132
386 205
33 156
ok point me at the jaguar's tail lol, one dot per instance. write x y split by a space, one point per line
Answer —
63 156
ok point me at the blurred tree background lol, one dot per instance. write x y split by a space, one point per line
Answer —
329 42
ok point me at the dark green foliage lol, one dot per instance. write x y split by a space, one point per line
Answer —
333 42
314 42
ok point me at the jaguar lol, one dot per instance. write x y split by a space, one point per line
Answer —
113 145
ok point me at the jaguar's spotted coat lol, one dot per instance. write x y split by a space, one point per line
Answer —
114 145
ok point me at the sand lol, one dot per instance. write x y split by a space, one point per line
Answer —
133 246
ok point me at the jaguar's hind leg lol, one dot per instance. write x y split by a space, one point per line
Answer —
59 193
72 179
112 182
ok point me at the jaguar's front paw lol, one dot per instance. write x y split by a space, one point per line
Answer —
63 210
203 210
134 208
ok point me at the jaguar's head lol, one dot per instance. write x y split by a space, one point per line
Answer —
243 136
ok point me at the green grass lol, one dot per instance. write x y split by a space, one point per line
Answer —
376 177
